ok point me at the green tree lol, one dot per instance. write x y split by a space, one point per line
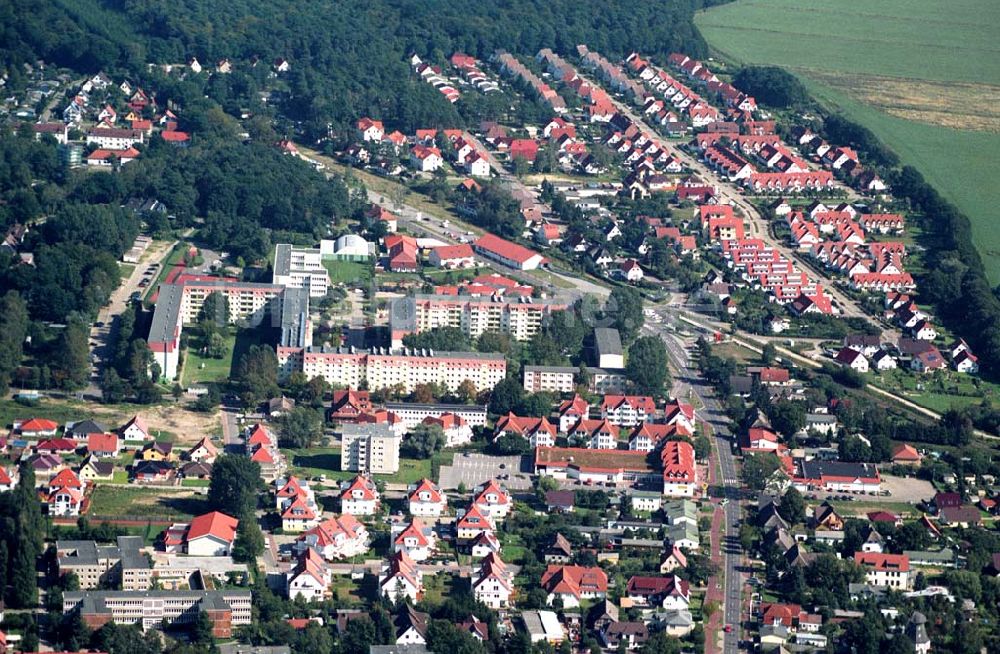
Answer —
300 427
13 330
201 631
661 643
235 486
214 311
505 396
787 416
73 355
647 365
624 309
757 470
793 506
424 441
257 374
249 543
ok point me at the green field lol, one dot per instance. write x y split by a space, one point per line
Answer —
148 502
348 272
201 369
923 75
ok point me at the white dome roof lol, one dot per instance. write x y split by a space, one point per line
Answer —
351 244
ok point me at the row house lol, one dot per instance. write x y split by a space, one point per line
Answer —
538 431
789 182
628 410
883 223
594 434
647 437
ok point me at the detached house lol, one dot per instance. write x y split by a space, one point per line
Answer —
401 579
492 500
425 499
493 584
359 497
571 583
416 539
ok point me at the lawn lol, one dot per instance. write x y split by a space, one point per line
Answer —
203 369
125 270
938 392
145 503
918 73
348 272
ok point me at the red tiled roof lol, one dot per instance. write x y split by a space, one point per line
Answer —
102 443
38 424
504 248
215 524
877 561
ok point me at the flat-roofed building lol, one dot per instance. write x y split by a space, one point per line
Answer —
296 267
225 608
369 448
555 379
384 368
521 317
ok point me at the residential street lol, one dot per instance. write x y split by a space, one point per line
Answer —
729 193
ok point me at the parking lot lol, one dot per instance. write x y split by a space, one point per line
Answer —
472 469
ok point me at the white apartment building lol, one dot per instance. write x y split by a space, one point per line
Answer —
553 379
150 608
518 316
114 139
371 448
297 267
385 369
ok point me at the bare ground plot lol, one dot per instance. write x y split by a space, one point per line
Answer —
472 469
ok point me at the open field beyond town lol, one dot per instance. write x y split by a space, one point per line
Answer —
923 76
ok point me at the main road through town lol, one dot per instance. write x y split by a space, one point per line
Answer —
688 381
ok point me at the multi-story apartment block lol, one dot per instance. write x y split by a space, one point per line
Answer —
113 138
180 304
521 317
371 448
226 608
555 379
381 369
296 267
412 414
628 410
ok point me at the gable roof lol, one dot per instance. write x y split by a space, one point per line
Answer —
215 524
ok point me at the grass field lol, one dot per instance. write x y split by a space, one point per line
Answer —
145 502
202 369
922 74
349 272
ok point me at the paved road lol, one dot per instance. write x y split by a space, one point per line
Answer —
688 378
105 329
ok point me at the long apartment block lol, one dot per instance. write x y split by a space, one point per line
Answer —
384 368
474 315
